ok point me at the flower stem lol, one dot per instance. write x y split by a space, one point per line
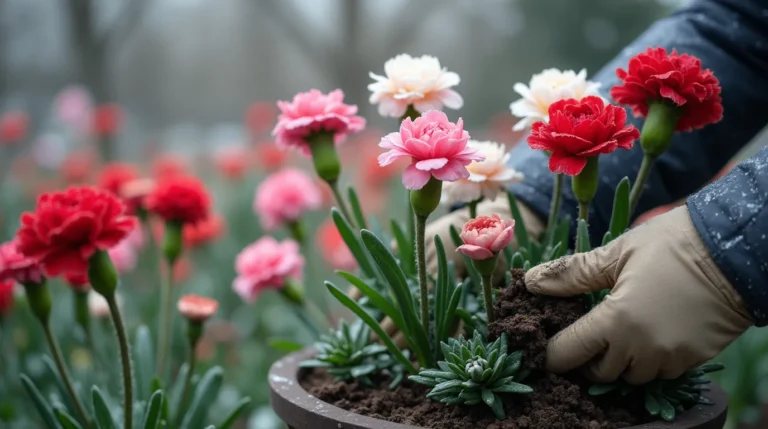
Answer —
340 202
642 177
187 383
125 359
473 208
554 207
65 377
421 267
166 319
583 214
488 297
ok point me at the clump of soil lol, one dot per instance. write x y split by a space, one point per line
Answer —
557 402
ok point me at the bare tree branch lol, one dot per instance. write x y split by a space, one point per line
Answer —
122 27
408 22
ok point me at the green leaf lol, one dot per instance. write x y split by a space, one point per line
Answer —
373 324
362 370
66 421
100 410
437 374
667 411
488 397
521 233
450 313
620 215
377 299
350 238
651 404
404 249
607 238
232 416
174 395
395 278
563 232
498 408
63 392
205 393
144 360
357 212
45 410
517 260
602 389
513 387
583 244
442 294
423 380
285 345
156 385
154 410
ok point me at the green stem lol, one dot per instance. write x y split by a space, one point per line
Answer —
554 207
488 296
166 319
83 315
297 231
411 112
340 202
125 359
421 268
583 214
473 208
65 377
639 184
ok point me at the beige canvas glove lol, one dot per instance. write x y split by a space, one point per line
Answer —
670 308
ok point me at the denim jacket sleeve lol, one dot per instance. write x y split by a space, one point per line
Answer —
731 38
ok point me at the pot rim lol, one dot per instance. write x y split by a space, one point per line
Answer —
300 410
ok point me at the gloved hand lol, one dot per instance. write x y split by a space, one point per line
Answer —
670 307
442 227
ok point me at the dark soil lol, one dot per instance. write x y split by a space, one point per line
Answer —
557 402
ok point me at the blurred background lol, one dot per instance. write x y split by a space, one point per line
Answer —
190 85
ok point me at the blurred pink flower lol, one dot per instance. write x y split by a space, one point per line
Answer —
333 248
124 256
197 308
284 196
14 127
485 236
266 264
312 112
15 266
436 147
73 107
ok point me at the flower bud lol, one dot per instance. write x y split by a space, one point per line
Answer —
425 200
659 126
102 273
39 299
585 183
173 243
324 156
293 292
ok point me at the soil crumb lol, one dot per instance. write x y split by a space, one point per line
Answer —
557 402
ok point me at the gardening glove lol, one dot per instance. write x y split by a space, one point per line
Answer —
670 308
442 227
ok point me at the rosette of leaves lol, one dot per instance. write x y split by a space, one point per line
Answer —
475 372
348 354
667 398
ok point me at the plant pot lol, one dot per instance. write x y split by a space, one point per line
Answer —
300 410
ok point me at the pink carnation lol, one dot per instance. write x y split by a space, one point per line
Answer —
197 308
284 196
485 236
15 266
266 264
333 248
124 256
436 147
312 112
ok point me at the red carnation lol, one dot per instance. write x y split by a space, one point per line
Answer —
6 296
68 227
654 75
13 127
579 129
78 281
182 199
116 174
107 120
203 232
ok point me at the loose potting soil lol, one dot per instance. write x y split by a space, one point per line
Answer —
557 402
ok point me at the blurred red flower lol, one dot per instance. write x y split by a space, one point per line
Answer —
14 127
232 164
182 199
6 296
260 116
78 166
116 174
166 165
333 248
68 227
203 232
270 157
107 120
15 266
134 193
78 281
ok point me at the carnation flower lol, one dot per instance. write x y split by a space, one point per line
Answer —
114 175
197 308
68 227
579 129
6 296
420 82
203 232
545 88
314 112
17 267
485 236
677 79
166 166
14 127
486 178
270 157
232 164
78 166
284 196
333 248
78 281
435 146
107 120
124 256
267 264
135 192
260 116
179 199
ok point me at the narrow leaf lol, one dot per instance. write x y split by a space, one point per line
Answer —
205 393
154 410
666 410
513 387
155 386
232 416
521 233
144 360
45 410
404 249
583 244
651 404
100 410
607 238
488 397
441 289
285 345
63 392
357 211
602 389
66 421
350 238
620 215
377 299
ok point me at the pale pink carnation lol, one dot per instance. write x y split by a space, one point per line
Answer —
312 112
485 236
284 196
266 264
436 147
15 266
197 308
124 256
